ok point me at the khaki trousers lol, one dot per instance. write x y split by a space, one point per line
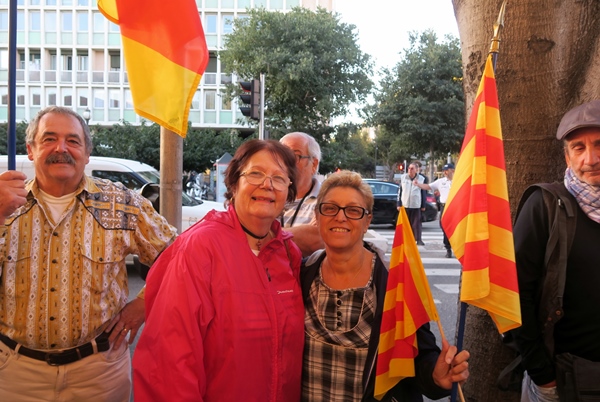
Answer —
101 377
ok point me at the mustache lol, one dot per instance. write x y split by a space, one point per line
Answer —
60 158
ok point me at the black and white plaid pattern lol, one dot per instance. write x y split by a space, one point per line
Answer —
338 327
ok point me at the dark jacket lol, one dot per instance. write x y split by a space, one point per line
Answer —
409 389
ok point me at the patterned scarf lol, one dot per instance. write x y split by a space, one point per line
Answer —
588 196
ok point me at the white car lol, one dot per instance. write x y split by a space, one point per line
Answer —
134 175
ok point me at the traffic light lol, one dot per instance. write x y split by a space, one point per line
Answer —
250 99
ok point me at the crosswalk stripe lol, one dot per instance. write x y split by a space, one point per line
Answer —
448 288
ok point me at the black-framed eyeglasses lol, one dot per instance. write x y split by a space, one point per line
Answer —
257 178
300 157
351 212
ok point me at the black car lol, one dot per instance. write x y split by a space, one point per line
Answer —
385 210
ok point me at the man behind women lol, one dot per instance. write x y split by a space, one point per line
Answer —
299 215
343 288
442 186
413 199
224 308
65 237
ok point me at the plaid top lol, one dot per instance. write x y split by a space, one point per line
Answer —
338 327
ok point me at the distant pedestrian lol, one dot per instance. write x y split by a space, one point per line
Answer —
441 185
413 199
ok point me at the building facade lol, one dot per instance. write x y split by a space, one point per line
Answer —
69 54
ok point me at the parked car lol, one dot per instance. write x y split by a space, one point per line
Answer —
135 175
386 196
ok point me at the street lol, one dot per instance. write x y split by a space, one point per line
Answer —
443 274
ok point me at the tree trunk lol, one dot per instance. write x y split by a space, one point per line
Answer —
549 62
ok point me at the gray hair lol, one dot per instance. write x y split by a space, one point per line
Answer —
314 149
33 127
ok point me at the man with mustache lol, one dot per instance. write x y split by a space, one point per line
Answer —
64 236
556 233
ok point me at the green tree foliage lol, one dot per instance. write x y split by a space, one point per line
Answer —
201 147
420 105
313 65
20 140
348 149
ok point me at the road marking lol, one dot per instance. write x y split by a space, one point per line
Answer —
442 272
448 288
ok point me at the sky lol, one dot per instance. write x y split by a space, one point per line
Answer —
384 25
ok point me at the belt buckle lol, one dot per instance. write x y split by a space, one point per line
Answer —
48 358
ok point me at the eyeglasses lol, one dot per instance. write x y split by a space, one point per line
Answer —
300 157
257 178
351 212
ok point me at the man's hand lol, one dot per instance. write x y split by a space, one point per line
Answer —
12 192
128 321
451 367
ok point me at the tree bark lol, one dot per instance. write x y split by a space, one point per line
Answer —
549 62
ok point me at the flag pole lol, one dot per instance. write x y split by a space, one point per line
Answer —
11 140
494 50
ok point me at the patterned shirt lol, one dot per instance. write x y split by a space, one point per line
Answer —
60 283
338 328
302 211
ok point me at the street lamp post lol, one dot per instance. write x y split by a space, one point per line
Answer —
87 115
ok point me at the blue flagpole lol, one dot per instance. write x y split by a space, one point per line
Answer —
11 143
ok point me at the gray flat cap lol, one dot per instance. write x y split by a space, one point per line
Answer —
585 115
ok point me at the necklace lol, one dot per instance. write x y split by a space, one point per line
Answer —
259 238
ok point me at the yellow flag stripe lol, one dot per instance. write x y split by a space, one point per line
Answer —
177 86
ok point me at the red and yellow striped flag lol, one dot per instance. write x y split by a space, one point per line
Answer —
408 305
165 54
477 214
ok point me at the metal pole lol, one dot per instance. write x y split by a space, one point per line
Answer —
261 123
11 145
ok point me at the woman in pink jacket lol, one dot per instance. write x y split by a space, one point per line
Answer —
224 313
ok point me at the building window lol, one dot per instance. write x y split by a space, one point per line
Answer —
67 62
67 95
50 2
99 98
128 99
66 21
82 97
227 21
82 62
36 97
35 60
35 21
113 27
4 99
82 21
20 20
4 21
51 97
20 95
225 104
98 24
50 21
66 2
209 100
210 25
3 59
114 98
83 3
196 101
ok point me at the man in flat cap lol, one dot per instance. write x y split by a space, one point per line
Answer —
556 233
441 186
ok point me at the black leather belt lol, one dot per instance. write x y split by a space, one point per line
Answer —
58 358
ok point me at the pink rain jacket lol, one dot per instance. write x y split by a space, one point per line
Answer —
221 323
